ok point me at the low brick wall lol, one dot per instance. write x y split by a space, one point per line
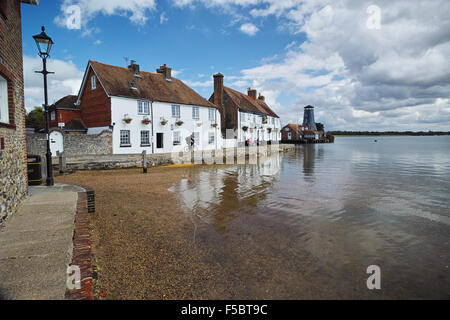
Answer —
81 254
74 144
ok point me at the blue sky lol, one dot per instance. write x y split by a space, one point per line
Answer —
295 52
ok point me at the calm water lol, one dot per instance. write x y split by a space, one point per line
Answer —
312 221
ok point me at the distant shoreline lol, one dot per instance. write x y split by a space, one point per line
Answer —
379 134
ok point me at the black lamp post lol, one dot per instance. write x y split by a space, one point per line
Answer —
44 44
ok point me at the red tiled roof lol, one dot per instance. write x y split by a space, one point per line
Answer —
75 125
248 103
293 127
66 102
151 86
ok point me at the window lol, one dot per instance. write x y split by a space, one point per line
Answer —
195 113
143 107
211 137
53 116
4 109
212 114
175 111
125 138
249 117
93 83
273 120
176 138
145 138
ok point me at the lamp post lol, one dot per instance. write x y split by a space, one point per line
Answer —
44 44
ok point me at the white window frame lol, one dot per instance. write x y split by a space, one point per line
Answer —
4 104
125 134
93 82
195 113
212 114
211 137
145 142
143 107
176 112
53 115
176 138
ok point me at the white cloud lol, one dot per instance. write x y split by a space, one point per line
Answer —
135 10
98 42
249 28
66 80
396 77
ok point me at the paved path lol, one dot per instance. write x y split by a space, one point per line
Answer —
36 244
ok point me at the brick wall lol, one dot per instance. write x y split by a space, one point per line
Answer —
74 144
64 116
95 105
13 178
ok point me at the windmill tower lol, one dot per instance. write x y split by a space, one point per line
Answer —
308 118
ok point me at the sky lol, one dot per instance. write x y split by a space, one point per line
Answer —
364 65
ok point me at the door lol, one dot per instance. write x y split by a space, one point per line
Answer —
56 143
159 140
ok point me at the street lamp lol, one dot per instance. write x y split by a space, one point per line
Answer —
44 44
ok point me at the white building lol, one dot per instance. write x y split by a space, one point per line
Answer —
247 115
146 111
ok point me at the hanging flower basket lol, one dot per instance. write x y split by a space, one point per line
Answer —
163 122
269 130
146 121
214 125
179 123
199 124
127 119
244 128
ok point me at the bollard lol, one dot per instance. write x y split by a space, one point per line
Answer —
61 161
144 161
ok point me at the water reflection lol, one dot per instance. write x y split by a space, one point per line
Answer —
217 194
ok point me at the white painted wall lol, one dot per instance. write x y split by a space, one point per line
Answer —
162 111
251 121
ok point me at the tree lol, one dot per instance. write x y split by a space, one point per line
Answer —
319 126
35 119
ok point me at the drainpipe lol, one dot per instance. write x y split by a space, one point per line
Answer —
153 133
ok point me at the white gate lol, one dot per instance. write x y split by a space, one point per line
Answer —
56 142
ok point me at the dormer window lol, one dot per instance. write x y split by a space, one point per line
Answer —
132 85
93 82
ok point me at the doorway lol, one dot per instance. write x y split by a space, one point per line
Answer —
159 140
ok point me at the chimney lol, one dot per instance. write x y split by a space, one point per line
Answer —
165 71
262 98
133 67
252 93
218 89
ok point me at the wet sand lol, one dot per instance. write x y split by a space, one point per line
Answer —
147 246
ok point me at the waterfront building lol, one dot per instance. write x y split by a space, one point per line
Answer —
247 115
13 167
146 111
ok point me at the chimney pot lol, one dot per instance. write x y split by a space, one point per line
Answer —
252 93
